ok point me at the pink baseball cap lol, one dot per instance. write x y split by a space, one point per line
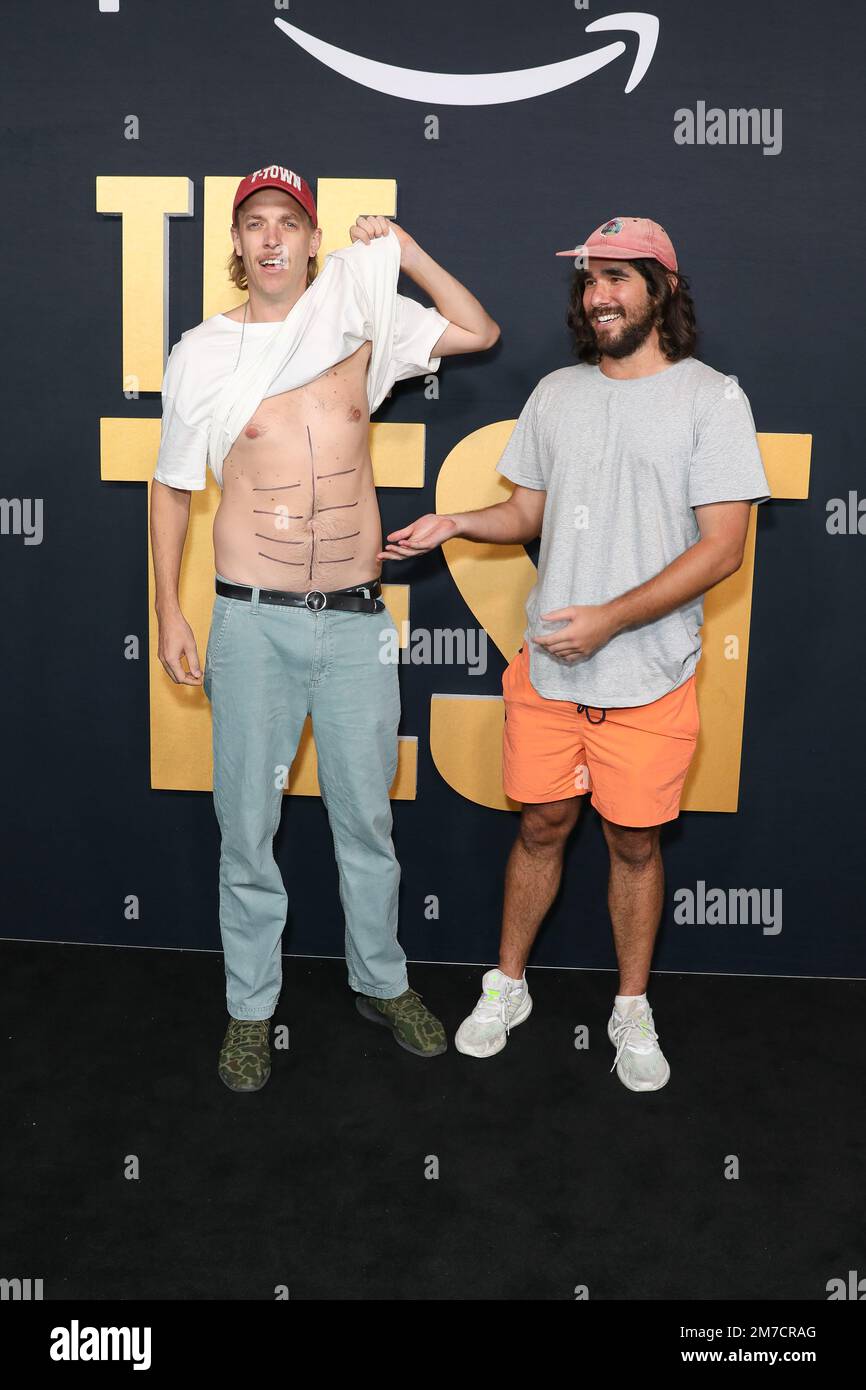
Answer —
277 176
626 238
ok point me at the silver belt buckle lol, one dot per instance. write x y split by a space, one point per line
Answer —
316 594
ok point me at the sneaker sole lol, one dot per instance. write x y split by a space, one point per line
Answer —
520 1017
373 1016
639 1089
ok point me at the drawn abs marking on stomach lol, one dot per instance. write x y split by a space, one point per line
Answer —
282 487
345 559
313 507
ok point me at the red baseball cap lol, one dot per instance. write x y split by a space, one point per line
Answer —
625 239
277 176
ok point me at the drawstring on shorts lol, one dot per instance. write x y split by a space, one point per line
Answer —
589 718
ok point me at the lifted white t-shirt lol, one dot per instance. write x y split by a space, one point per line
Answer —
209 391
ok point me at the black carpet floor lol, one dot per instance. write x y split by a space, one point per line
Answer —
551 1175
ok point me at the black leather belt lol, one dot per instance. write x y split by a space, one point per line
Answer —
359 598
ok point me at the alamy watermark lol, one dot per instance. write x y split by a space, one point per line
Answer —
846 516
86 1343
22 516
737 126
729 907
20 1290
438 646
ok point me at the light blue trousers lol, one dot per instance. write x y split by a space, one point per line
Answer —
266 669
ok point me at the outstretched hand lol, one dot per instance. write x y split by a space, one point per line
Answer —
419 537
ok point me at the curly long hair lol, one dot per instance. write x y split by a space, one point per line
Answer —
675 315
237 271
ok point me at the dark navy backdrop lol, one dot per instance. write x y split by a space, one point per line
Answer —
772 245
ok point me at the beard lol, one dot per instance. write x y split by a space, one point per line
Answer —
630 338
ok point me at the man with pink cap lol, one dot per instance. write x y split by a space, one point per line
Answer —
637 468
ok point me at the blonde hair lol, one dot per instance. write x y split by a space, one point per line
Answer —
237 270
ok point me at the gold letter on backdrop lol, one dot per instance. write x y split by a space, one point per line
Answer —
494 581
180 730
144 206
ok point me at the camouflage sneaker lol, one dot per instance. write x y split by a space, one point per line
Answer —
245 1056
413 1025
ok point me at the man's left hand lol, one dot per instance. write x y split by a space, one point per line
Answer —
587 627
366 229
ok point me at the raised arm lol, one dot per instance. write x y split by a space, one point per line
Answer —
470 328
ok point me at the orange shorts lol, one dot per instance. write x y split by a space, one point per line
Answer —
634 761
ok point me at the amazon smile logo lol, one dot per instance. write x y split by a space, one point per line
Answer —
487 88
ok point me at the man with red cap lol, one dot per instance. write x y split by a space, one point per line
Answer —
275 397
637 468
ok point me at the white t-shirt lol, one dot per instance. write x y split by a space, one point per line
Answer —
209 392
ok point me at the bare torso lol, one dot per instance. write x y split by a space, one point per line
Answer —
298 508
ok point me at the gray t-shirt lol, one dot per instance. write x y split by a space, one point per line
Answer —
624 462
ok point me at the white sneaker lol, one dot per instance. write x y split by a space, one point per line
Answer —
503 1004
639 1061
